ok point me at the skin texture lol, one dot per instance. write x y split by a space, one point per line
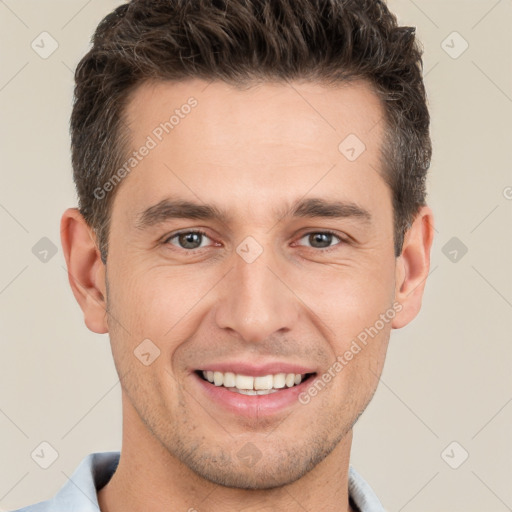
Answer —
252 153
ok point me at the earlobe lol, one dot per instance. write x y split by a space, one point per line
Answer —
86 271
412 267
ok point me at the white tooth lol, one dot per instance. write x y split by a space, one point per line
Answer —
290 380
247 392
229 380
264 382
279 380
218 378
266 391
244 382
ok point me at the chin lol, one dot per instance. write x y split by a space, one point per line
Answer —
272 471
265 478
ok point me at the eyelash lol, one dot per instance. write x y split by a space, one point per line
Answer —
203 233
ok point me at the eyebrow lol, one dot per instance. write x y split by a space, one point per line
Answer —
169 209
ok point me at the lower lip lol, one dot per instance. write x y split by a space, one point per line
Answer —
253 406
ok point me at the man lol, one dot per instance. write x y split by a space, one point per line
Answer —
251 225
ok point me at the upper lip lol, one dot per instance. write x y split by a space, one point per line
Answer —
257 370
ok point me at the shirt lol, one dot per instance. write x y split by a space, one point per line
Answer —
79 494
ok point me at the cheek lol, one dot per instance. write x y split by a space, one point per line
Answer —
347 299
161 304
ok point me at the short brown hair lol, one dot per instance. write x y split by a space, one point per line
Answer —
240 42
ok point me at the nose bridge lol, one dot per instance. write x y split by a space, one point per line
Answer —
254 301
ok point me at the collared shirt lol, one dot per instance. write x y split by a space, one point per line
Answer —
79 494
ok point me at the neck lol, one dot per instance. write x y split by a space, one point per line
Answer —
148 477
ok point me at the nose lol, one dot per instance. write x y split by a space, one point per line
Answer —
255 301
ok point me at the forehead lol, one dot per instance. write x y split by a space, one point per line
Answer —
272 113
267 141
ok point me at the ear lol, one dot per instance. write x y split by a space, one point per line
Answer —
86 271
412 267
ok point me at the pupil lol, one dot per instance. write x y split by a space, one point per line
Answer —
324 239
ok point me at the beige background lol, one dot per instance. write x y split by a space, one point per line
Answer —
448 374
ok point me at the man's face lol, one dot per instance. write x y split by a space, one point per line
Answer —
264 290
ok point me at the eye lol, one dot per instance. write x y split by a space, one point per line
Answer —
321 239
188 239
197 239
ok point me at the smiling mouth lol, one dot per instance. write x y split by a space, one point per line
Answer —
249 385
